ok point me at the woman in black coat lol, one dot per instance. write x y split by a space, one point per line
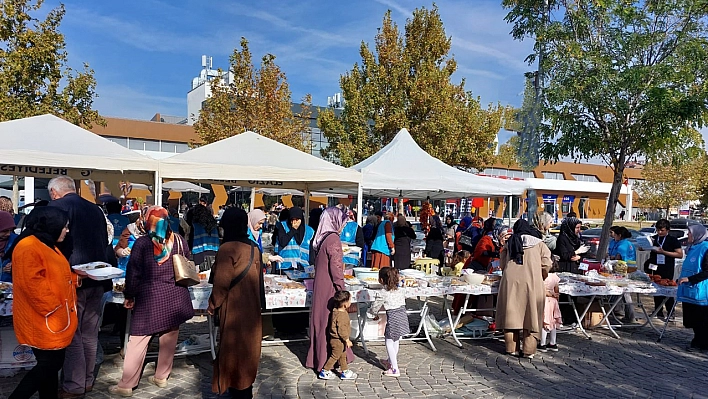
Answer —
568 245
403 234
434 247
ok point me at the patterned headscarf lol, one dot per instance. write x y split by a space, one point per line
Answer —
541 220
158 228
331 221
498 232
6 205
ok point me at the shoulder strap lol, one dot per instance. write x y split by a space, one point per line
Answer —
243 274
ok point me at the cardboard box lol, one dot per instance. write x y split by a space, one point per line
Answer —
12 354
373 329
593 316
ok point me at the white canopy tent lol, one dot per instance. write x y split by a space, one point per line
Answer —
404 169
184 187
251 160
47 146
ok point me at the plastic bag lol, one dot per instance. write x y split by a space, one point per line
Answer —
433 327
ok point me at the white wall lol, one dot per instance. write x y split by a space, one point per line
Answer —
194 101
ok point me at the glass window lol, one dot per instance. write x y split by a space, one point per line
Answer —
152 145
119 140
167 146
588 178
553 175
181 147
135 144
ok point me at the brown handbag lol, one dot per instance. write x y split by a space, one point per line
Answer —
186 273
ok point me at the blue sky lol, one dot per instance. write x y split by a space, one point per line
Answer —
145 53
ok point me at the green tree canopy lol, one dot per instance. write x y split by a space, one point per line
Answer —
622 77
405 83
257 100
34 76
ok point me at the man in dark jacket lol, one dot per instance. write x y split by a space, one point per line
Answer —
86 242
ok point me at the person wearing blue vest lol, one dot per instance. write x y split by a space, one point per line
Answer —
352 234
119 222
7 238
693 287
293 241
620 248
256 218
383 246
127 238
206 234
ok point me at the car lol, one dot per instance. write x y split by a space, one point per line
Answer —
418 228
648 231
591 238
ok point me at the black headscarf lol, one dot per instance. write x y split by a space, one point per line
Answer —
202 215
46 223
516 243
299 233
489 225
234 221
435 234
568 229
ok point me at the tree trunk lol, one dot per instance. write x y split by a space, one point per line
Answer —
610 211
531 203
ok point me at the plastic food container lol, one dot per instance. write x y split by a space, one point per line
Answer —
366 275
472 278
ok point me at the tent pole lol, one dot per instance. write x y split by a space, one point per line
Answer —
157 190
510 206
253 199
400 203
15 193
359 205
307 204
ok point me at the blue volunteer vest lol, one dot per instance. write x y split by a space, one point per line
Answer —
123 262
205 242
624 248
696 294
119 223
380 244
294 256
348 236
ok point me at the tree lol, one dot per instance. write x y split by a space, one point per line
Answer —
34 76
509 153
405 82
622 77
256 100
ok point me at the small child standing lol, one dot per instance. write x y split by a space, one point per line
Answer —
393 301
339 330
551 314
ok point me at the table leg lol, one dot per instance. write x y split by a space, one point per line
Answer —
462 311
666 322
212 336
423 315
362 322
579 318
606 314
652 315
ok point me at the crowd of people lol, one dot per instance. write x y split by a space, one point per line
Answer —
60 320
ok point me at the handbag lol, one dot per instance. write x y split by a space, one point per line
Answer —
234 282
185 271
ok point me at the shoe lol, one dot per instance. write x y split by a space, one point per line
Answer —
89 389
552 348
68 395
124 392
625 320
670 320
542 348
325 375
660 315
160 383
348 375
531 356
513 354
385 363
392 373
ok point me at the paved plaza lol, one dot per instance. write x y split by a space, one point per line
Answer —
634 367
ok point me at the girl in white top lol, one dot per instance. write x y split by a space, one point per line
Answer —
393 300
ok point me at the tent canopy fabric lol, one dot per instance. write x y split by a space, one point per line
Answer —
402 168
251 160
47 146
184 187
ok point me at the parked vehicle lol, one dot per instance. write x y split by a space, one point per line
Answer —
591 238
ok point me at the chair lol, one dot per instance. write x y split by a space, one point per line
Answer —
428 265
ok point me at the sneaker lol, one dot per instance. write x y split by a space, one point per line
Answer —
660 315
348 375
325 375
531 356
672 319
392 373
512 354
158 382
124 392
542 348
385 363
552 348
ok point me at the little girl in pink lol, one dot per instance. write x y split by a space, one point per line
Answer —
551 314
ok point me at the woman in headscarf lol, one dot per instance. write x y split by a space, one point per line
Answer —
236 300
693 287
6 205
159 306
293 241
329 278
7 238
525 261
315 215
127 239
382 247
44 293
569 246
283 216
450 227
434 247
403 233
464 227
205 234
256 218
352 234
370 229
542 222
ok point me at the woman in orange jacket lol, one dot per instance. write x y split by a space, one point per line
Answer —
44 308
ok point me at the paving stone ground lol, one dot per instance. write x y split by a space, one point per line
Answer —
636 366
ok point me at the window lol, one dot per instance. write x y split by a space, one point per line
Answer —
508 173
166 146
152 145
588 178
553 175
119 140
135 144
181 147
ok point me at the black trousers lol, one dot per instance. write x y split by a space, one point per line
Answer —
43 378
241 393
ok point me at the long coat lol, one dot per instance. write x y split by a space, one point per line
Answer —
239 312
521 291
328 276
160 304
402 243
